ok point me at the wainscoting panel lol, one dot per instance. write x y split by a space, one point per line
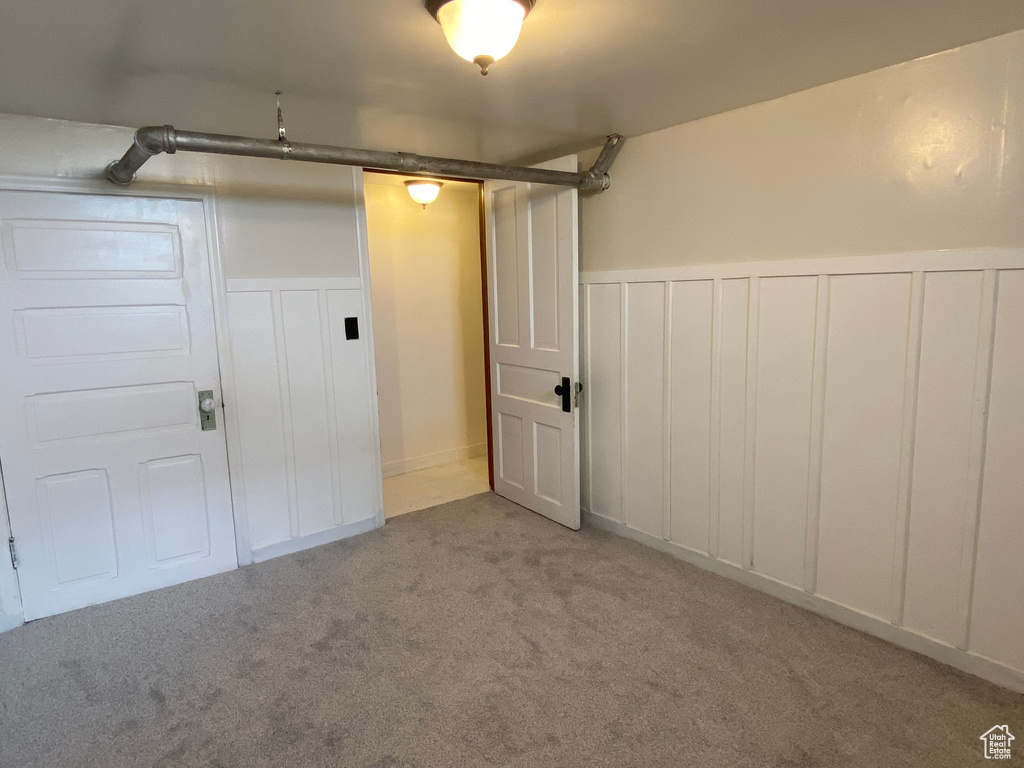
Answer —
785 367
847 433
689 404
728 471
997 599
940 492
645 421
860 456
308 467
603 395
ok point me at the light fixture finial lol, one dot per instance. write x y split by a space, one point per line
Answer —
483 62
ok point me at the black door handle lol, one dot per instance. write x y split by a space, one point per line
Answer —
564 390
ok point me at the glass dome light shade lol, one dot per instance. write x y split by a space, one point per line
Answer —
482 31
423 191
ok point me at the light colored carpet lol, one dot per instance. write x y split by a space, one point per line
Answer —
477 634
425 488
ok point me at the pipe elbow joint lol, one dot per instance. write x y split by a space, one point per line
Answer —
596 181
154 139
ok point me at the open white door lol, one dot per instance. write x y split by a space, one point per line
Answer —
533 271
116 482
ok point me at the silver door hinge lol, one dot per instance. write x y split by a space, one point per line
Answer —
14 552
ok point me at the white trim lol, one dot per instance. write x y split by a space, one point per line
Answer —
257 284
416 463
586 464
750 420
299 543
330 389
976 453
715 447
98 186
371 359
229 410
968 662
911 387
925 261
818 377
624 399
666 417
11 613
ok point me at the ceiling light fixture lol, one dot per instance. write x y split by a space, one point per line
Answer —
423 191
481 31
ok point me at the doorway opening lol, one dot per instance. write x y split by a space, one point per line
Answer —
428 297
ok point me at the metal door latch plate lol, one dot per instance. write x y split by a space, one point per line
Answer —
207 410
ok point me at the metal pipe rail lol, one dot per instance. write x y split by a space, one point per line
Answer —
154 140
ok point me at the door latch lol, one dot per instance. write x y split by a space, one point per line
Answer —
207 410
564 391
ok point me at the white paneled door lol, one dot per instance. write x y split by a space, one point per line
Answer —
532 264
107 340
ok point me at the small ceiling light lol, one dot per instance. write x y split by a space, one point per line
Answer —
481 31
423 191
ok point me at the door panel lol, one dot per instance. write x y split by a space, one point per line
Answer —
532 257
174 509
112 488
77 513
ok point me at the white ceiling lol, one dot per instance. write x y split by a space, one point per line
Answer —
378 73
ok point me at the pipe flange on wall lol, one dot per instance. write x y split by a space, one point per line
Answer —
110 174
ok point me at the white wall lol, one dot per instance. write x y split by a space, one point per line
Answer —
921 156
275 220
428 323
843 432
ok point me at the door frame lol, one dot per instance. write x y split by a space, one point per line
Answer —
11 613
484 289
206 194
483 293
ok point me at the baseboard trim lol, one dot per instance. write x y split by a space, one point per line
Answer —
299 543
438 459
965 661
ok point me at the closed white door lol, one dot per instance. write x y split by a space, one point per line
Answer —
532 263
106 341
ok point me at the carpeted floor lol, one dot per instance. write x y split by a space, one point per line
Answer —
477 634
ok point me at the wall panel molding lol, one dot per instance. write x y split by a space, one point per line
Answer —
911 386
309 466
812 381
925 261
